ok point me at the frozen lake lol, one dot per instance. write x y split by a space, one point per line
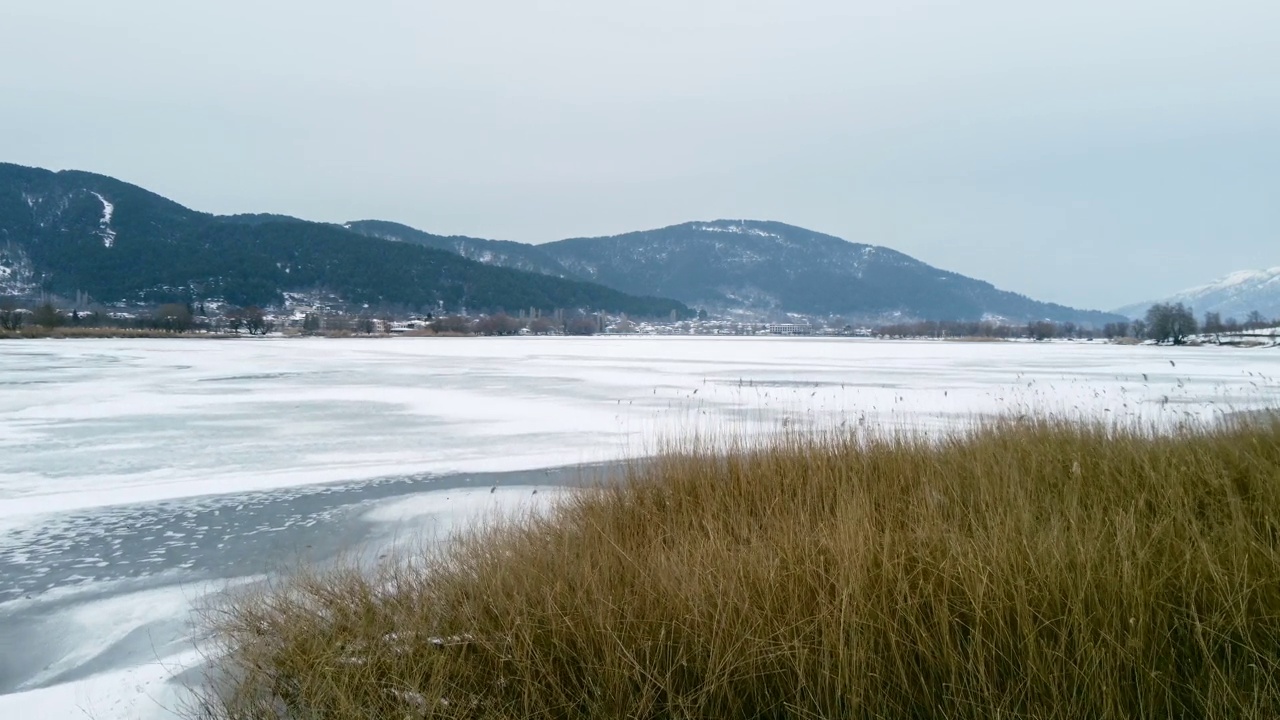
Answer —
136 474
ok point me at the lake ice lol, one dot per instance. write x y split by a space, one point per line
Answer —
134 474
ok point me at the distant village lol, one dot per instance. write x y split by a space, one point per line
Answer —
329 316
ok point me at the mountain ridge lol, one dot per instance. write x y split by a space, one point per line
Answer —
75 232
1233 295
762 267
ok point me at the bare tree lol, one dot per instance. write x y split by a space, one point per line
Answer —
10 316
235 319
1042 330
337 323
581 325
452 325
174 317
47 316
951 328
1212 325
1116 330
311 324
1170 323
255 321
500 324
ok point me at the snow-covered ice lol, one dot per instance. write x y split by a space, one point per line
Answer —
121 455
87 424
146 629
136 692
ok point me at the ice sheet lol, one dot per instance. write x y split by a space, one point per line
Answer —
138 641
87 424
140 692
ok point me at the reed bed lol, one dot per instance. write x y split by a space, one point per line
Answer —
1033 569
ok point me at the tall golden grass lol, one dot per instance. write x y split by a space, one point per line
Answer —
1017 570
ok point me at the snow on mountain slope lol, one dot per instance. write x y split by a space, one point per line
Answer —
108 235
1235 295
17 275
768 267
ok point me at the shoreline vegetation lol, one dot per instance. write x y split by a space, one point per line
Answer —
70 333
1164 324
1018 569
73 333
490 327
79 333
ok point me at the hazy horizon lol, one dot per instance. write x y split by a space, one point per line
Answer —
1089 155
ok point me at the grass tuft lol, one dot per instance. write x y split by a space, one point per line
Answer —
1019 570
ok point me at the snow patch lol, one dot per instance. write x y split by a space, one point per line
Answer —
142 692
17 275
108 209
738 230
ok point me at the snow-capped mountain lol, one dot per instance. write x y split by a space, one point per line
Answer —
1235 295
758 267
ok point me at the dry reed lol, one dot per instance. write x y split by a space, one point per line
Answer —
1017 570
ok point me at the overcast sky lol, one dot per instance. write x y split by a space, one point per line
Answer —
1092 152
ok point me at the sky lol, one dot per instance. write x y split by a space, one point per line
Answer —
1093 153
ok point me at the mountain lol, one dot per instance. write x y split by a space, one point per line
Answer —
70 231
1235 295
505 253
758 267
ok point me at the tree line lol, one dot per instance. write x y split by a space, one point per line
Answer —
1172 323
503 324
1175 322
170 317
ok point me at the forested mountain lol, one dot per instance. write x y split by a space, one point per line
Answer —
773 265
74 232
761 267
70 232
